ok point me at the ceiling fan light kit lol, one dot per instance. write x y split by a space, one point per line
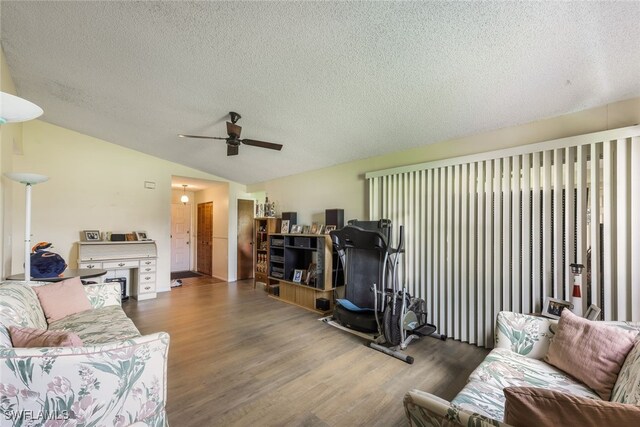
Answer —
233 139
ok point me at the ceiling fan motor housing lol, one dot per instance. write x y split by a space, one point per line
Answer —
233 130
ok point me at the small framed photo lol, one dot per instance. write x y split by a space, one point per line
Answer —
91 236
305 229
329 228
296 229
130 237
320 229
314 228
284 229
592 313
553 307
141 235
297 275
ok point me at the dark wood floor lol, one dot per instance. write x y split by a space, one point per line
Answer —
238 357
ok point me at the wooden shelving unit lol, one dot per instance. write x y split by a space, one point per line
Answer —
263 228
290 252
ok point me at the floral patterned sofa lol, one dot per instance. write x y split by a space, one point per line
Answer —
118 378
521 343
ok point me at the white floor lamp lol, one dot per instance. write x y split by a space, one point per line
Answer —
29 180
15 109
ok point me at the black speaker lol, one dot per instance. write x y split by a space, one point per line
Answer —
334 217
291 216
322 304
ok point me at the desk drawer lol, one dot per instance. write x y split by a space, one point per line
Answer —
90 264
120 264
146 278
145 269
147 262
146 288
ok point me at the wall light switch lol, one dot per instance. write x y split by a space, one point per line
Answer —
150 185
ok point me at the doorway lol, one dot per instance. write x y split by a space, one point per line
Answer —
180 237
204 238
245 239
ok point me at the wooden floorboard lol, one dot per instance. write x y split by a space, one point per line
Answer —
240 358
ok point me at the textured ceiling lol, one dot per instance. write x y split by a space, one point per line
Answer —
331 81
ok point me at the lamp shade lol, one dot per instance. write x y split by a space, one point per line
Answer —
184 198
15 109
26 178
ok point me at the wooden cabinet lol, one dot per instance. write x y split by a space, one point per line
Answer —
263 228
307 252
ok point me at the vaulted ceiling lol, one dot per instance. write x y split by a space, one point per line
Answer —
331 81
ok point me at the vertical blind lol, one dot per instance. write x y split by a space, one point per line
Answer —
498 231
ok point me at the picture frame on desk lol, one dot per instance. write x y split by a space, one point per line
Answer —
314 228
141 235
329 228
553 307
284 229
91 236
296 229
305 229
592 313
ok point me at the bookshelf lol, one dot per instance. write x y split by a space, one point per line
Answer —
263 228
291 252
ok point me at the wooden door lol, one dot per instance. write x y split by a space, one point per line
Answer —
245 239
205 237
180 237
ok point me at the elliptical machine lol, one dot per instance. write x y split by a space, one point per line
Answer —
374 305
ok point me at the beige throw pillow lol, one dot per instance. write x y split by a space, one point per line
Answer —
537 407
30 337
62 299
590 351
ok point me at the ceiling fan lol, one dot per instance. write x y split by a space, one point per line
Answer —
233 140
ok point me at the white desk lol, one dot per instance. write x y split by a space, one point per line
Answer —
137 257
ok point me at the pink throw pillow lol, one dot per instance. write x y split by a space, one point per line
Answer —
30 337
529 407
590 351
62 299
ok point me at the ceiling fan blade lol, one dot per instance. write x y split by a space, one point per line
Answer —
269 145
232 150
233 129
199 136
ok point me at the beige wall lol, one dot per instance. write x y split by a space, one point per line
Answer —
93 185
344 186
